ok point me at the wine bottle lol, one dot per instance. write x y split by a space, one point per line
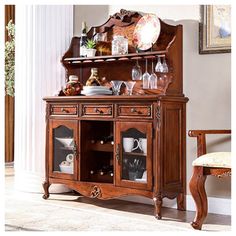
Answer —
107 139
110 173
92 172
83 40
106 169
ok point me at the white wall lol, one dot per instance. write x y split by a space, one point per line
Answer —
207 80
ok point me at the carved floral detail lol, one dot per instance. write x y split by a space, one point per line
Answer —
96 192
125 15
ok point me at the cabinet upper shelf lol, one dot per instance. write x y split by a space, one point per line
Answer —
119 67
106 58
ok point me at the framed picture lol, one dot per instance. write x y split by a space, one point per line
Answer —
215 29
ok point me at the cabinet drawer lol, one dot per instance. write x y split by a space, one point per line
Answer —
97 110
64 110
142 111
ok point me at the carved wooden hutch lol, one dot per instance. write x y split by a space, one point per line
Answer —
158 116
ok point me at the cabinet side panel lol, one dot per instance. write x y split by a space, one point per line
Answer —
173 155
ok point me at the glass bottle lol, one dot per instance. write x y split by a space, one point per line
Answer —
119 45
83 40
93 80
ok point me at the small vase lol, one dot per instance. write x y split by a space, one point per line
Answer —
91 52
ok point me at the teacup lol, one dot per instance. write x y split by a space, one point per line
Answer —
128 144
143 145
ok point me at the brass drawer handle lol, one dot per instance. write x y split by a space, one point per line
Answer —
64 110
98 111
133 110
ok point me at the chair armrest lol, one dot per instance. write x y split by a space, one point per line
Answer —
201 138
195 133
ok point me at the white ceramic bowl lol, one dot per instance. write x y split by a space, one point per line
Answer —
66 169
67 142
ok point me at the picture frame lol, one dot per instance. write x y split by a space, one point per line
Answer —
215 29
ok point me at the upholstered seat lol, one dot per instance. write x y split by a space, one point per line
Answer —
214 159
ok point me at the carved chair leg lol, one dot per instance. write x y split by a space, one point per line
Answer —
46 186
197 189
181 202
158 205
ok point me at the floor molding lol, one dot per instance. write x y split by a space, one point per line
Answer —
220 206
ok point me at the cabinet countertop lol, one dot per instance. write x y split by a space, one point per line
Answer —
106 98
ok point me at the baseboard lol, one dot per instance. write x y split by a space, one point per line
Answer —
220 206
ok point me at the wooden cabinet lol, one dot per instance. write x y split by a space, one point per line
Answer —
63 142
133 155
121 145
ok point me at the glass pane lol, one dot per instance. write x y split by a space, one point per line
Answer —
63 143
134 154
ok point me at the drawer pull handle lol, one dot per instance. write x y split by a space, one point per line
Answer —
98 111
64 110
133 110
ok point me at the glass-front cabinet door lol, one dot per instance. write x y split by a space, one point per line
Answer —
133 154
63 149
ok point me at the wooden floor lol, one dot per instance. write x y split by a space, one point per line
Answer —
19 217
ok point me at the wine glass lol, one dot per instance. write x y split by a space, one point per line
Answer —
116 86
146 76
159 66
165 67
129 85
153 79
136 72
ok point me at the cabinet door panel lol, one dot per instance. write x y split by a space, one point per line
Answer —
134 155
63 149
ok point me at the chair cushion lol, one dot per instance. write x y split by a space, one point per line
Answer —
214 159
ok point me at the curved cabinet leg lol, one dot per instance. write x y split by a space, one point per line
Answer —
46 186
197 189
158 204
181 202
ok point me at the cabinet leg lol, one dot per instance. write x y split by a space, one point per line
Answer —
181 202
197 189
158 205
46 186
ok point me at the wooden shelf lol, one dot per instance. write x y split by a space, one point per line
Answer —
100 178
135 154
106 147
107 58
67 148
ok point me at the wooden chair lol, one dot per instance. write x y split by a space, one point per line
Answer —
216 164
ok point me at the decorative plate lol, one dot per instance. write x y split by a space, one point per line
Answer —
95 87
146 32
